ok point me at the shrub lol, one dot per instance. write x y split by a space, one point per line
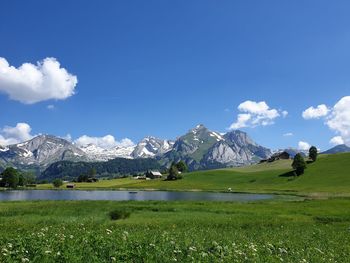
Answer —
182 167
57 183
119 214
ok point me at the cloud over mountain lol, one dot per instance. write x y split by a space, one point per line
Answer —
255 114
105 142
12 135
336 118
304 146
339 119
336 140
31 83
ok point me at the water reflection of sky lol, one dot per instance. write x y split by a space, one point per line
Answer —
16 195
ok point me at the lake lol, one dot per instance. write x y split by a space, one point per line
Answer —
21 195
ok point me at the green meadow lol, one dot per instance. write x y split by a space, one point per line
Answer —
329 175
313 227
269 231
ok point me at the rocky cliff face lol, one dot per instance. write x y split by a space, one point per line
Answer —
236 149
200 148
203 149
96 153
40 151
151 147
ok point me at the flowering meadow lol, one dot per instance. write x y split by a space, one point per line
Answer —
269 231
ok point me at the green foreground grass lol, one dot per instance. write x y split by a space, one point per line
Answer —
279 230
81 231
329 175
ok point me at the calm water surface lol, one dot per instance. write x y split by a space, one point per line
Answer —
126 195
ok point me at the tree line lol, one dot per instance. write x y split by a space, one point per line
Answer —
12 178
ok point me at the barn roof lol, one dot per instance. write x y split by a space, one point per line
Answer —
156 173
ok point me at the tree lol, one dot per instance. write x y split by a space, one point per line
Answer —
299 164
82 178
29 177
313 153
57 182
182 167
22 180
10 177
25 178
173 173
92 172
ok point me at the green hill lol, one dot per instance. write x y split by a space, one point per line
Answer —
329 174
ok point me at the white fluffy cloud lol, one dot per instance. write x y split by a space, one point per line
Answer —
255 114
19 133
336 118
105 142
31 83
336 140
288 134
304 146
315 113
339 119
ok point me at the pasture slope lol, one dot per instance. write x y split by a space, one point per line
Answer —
329 175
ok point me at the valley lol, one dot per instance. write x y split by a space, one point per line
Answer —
328 176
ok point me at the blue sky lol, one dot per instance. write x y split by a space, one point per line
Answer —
161 67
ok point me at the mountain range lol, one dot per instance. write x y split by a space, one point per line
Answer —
200 148
341 148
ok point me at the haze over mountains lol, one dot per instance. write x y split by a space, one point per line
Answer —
200 148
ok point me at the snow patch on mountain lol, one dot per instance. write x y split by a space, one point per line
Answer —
97 153
150 147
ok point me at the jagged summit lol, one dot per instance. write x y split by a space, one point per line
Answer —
151 146
41 151
200 148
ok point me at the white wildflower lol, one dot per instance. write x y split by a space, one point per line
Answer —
319 250
192 248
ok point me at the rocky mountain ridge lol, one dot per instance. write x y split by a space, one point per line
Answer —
200 148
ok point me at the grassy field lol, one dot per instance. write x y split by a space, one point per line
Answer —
329 175
81 231
300 229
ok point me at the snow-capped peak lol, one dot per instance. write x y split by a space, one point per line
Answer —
217 136
151 147
101 154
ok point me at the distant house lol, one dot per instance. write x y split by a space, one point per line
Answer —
153 174
70 185
284 155
279 156
92 180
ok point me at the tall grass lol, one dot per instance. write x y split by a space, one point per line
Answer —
81 231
